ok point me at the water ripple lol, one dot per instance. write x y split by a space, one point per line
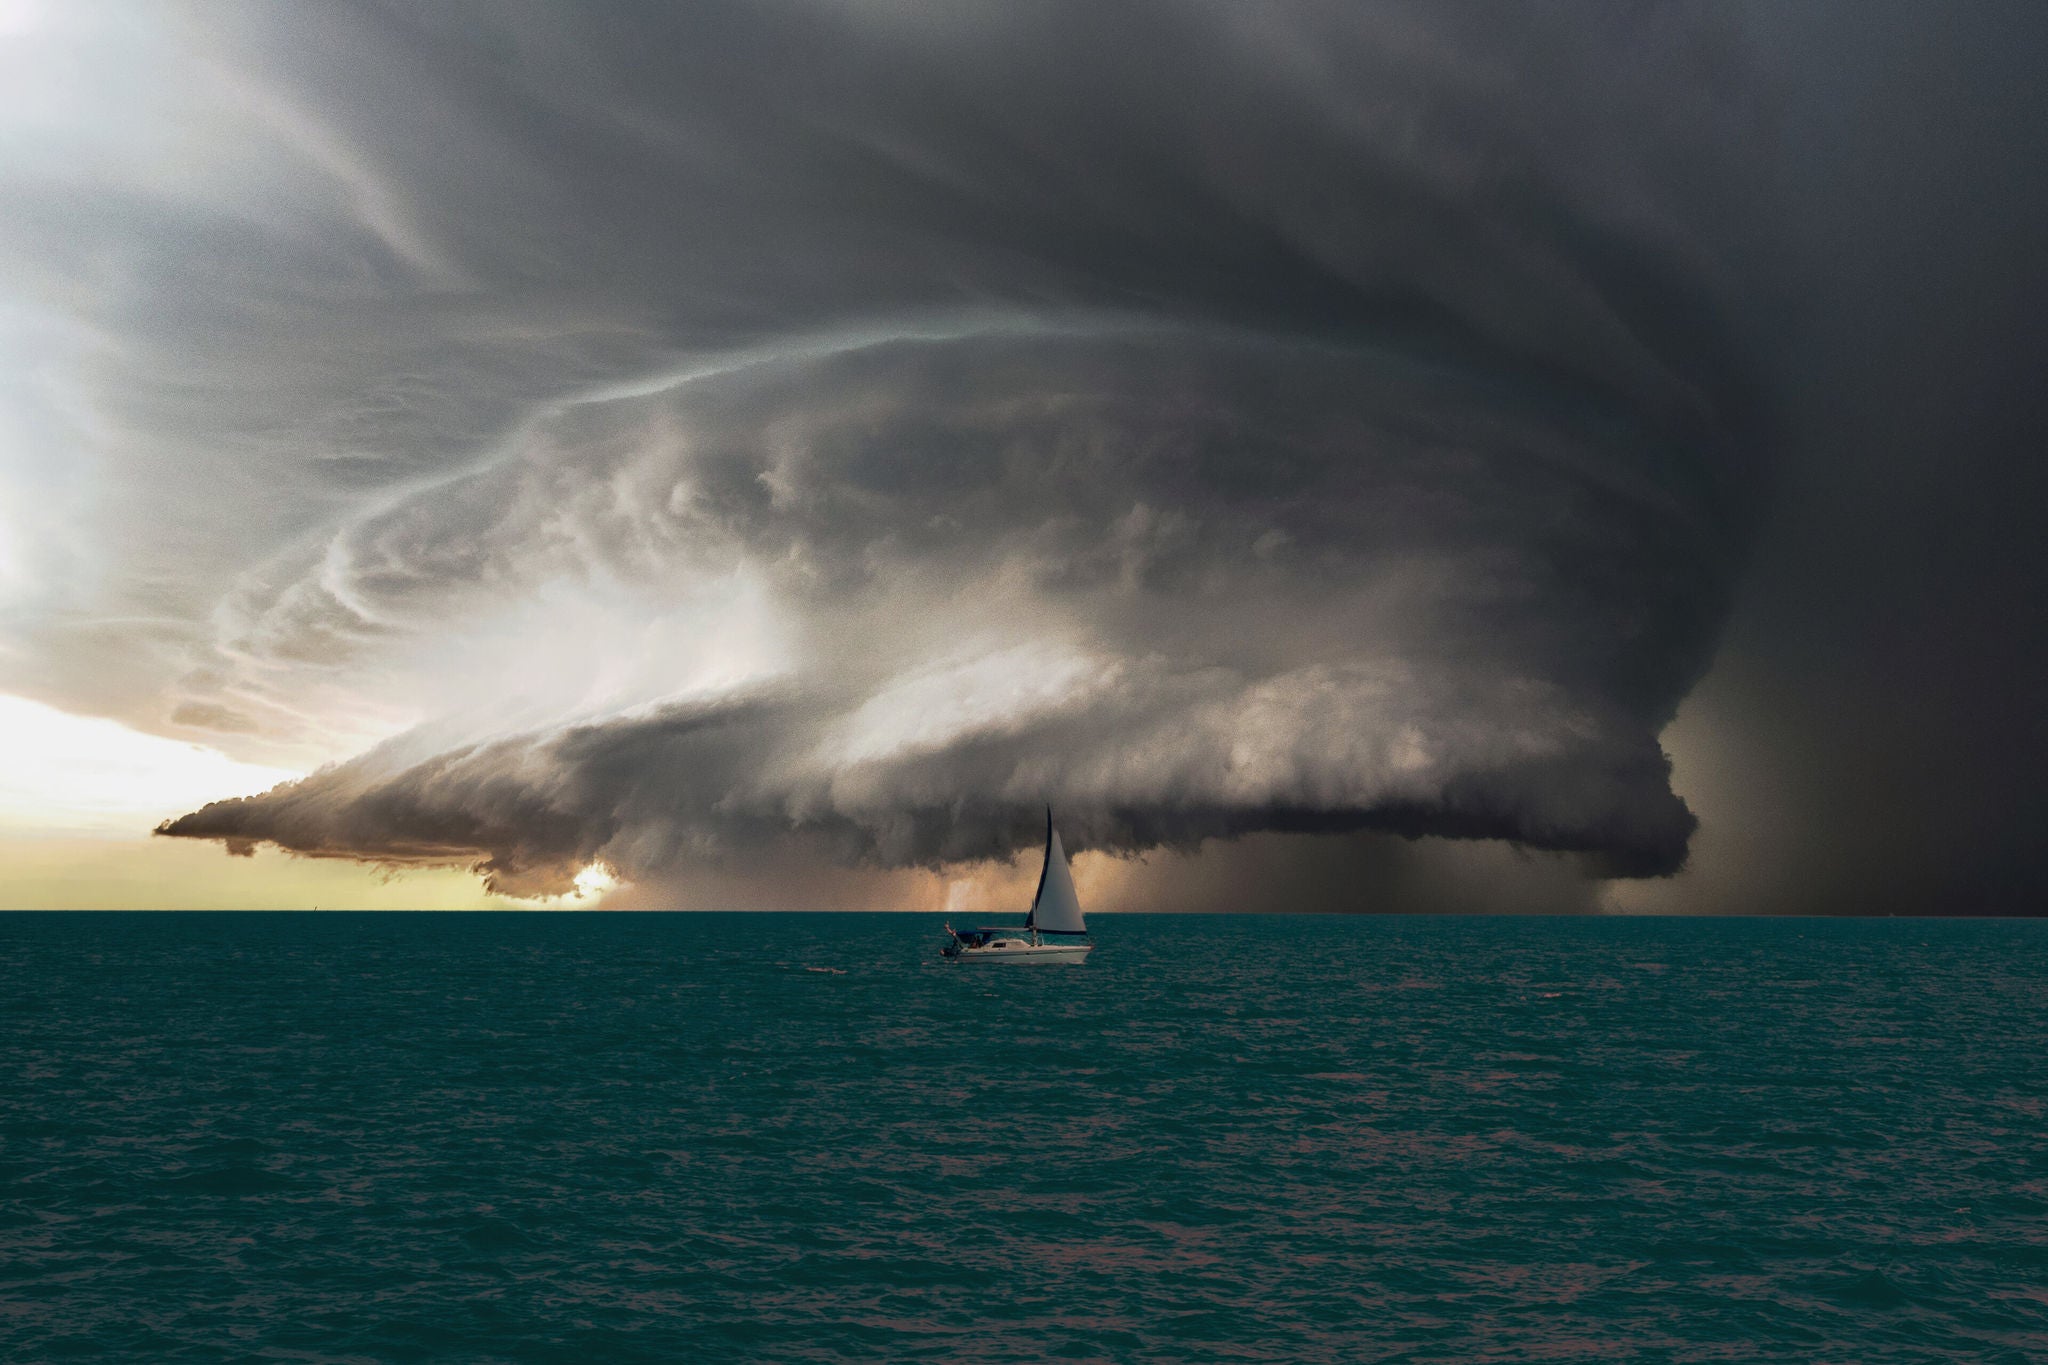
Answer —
623 1138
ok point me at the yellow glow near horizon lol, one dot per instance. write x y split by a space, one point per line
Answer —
64 776
188 874
79 797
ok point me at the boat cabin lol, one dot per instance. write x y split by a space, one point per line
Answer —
990 938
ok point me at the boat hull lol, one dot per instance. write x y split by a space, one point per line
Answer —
1044 953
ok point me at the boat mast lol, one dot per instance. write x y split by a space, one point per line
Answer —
1031 918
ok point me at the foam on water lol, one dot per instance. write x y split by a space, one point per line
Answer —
620 1138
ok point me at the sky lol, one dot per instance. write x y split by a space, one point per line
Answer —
1580 457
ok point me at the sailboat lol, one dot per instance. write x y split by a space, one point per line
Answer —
1053 931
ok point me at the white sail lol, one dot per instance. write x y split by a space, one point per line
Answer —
1056 910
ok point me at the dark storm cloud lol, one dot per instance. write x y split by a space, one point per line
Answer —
1209 418
1884 674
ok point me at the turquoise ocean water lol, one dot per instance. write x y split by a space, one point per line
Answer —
602 1138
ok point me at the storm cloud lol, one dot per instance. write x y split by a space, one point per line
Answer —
678 436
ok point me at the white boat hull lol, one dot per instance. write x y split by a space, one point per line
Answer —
1027 953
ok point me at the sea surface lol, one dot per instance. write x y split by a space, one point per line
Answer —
613 1138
